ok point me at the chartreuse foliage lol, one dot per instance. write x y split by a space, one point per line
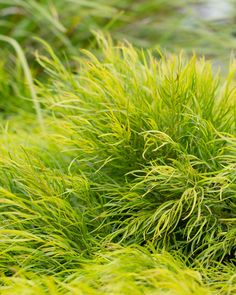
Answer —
155 137
131 187
124 271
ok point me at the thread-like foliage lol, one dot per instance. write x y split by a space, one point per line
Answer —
155 137
138 158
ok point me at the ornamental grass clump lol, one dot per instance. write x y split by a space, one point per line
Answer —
130 186
155 137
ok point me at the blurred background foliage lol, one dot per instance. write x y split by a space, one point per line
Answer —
207 27
204 27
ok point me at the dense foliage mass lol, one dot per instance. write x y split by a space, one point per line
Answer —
117 164
134 158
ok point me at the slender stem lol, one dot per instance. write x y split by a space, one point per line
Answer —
28 76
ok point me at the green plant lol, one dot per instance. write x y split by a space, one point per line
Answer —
131 186
156 139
